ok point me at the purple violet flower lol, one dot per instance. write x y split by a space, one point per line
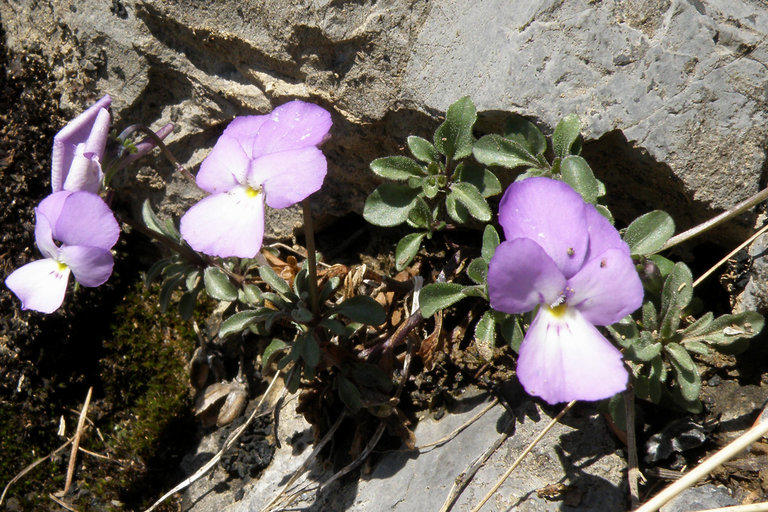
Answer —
271 158
562 256
87 230
78 149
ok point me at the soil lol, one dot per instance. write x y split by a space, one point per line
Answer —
108 339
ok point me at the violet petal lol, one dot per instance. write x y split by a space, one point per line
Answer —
91 266
607 288
563 358
296 124
521 275
225 166
40 285
44 236
146 145
288 176
550 213
227 224
602 234
77 131
85 219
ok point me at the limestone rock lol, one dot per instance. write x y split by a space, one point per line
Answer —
671 92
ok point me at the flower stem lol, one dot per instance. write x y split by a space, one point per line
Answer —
729 214
160 144
309 235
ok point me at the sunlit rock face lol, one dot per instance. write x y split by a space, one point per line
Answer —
671 93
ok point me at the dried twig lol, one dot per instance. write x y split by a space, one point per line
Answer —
754 507
522 456
633 471
76 442
730 255
702 470
463 480
62 503
31 467
234 436
493 403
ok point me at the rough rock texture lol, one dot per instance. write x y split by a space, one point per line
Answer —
672 92
579 453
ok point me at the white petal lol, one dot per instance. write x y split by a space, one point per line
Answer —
40 285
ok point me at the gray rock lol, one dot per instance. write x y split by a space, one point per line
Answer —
671 92
704 497
578 453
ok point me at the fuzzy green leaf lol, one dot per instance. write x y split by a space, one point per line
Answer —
456 211
648 233
525 133
577 173
363 309
436 296
277 283
675 296
566 137
422 149
389 204
273 349
478 270
242 320
491 240
407 248
496 150
218 285
725 330
349 393
485 335
397 168
453 138
686 374
468 195
420 215
485 181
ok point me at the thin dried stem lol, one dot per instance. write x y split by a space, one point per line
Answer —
32 466
76 441
754 507
711 223
633 471
522 455
227 444
702 470
730 255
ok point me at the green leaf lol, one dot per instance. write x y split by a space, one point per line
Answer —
605 212
240 321
167 291
334 326
187 303
436 296
624 331
468 195
483 179
155 270
422 149
153 223
644 348
407 248
311 350
496 150
349 393
273 349
372 376
648 233
362 308
664 265
453 138
389 204
675 296
485 335
218 285
420 215
650 318
725 330
251 294
456 211
478 270
398 168
565 139
478 290
191 280
525 133
686 374
329 287
277 283
491 240
577 173
301 315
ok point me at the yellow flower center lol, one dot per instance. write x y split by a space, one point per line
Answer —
252 192
559 310
61 266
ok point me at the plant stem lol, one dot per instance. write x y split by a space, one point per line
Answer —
309 235
633 472
160 144
705 226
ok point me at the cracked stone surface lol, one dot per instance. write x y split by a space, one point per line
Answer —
672 93
579 453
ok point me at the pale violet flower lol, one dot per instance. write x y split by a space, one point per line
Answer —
270 158
564 258
86 230
78 150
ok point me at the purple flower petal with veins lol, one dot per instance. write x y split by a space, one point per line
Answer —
564 258
86 229
271 158
78 149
